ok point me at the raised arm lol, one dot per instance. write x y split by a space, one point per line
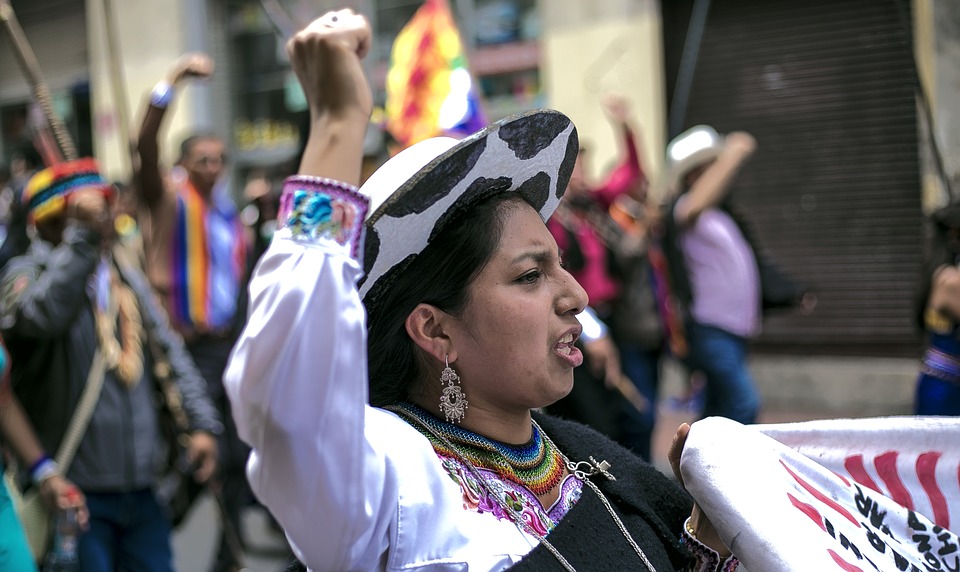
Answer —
713 185
326 58
628 175
150 179
297 377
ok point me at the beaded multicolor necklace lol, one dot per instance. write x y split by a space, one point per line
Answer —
583 470
536 465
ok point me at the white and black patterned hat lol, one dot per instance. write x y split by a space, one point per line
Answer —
415 194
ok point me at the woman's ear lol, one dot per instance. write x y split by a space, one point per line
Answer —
425 326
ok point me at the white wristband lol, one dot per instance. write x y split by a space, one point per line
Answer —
161 95
46 469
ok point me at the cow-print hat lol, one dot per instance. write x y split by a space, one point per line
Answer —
415 194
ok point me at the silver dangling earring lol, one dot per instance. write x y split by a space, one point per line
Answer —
453 403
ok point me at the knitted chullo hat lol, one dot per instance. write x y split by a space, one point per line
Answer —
47 192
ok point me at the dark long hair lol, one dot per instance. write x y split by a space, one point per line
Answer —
439 276
937 252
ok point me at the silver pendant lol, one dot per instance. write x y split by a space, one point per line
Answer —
453 402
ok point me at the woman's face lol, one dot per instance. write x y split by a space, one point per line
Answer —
514 339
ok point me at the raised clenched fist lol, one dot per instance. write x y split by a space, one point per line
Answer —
326 58
190 65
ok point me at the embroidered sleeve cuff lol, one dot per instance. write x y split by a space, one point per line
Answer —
316 210
707 559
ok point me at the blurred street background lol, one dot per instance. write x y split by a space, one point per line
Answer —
835 194
853 104
195 541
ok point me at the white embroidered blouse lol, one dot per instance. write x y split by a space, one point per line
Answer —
329 466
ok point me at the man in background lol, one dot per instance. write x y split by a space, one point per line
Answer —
196 253
71 302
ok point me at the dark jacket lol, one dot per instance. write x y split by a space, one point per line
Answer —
47 317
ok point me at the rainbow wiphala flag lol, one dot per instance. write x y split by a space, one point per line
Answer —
429 90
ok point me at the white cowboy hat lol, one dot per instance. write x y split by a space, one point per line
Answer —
424 187
689 150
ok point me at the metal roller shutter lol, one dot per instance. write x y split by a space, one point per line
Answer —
833 193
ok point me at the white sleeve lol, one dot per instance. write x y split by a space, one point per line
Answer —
593 328
297 382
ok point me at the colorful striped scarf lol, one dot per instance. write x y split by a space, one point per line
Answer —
191 289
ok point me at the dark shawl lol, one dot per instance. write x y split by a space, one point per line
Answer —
650 504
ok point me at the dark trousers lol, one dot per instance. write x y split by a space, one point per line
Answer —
643 368
722 357
936 397
128 532
211 355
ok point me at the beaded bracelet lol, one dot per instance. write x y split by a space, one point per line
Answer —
43 469
314 209
708 559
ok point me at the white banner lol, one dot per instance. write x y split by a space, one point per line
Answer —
848 494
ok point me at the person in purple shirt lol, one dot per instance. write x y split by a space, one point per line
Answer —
713 268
